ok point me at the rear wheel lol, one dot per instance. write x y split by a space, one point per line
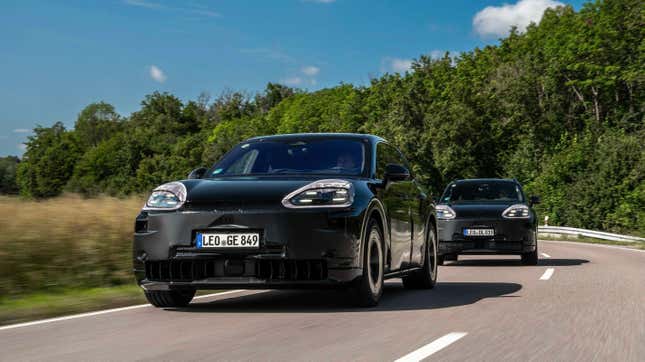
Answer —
426 278
530 258
170 298
369 287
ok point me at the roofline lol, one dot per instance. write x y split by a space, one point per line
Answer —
317 135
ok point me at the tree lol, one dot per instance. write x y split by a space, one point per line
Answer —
97 122
48 162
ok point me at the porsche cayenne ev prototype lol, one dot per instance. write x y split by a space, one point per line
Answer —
486 216
289 211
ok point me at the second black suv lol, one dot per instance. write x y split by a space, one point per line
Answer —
486 216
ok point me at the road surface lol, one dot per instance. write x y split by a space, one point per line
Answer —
582 302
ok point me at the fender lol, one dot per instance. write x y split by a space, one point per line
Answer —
375 205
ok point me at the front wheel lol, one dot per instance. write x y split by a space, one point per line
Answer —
170 298
426 278
369 287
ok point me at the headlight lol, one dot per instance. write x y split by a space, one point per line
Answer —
170 196
323 193
518 211
445 212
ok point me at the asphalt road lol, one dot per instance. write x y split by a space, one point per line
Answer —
581 303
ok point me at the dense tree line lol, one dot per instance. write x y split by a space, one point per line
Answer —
559 107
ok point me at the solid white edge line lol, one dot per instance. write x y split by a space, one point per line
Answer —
546 255
547 274
100 312
432 347
593 245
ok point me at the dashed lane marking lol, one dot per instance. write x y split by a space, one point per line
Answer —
547 274
432 347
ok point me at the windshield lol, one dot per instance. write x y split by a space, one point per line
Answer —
319 156
487 191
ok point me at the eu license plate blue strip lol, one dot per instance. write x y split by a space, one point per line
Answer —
198 240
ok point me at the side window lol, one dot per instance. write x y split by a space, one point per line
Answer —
386 154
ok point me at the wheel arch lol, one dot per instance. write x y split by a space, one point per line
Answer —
375 210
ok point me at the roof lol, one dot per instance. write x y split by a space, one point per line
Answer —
295 136
486 180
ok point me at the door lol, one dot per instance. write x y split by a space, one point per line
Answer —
396 199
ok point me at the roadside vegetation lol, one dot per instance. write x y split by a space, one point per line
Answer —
66 242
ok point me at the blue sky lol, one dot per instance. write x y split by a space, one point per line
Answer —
58 56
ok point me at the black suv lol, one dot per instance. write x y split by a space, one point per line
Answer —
289 211
487 216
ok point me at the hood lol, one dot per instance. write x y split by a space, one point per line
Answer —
488 210
242 191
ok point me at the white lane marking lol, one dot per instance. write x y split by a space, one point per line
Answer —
547 274
100 312
432 347
546 255
593 245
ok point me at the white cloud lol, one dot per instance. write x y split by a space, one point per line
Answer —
144 4
195 9
21 130
498 20
396 65
310 70
157 74
292 81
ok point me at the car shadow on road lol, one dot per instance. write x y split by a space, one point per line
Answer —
395 297
515 262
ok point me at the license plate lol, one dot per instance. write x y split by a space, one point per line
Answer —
479 232
228 240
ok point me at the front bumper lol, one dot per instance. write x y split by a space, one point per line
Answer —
298 248
511 236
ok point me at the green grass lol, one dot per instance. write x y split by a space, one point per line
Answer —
64 302
582 239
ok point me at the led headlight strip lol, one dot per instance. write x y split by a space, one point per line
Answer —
321 194
169 196
517 211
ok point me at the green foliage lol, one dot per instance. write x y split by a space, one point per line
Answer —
96 122
560 107
49 161
8 166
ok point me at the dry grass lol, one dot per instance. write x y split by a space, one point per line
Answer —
65 242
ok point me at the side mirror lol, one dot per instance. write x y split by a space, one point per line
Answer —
394 172
197 173
534 200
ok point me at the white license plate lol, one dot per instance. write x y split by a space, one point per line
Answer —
228 240
479 232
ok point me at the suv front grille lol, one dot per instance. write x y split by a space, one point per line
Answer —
266 269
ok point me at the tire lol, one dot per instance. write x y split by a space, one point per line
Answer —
368 288
170 298
426 278
530 258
